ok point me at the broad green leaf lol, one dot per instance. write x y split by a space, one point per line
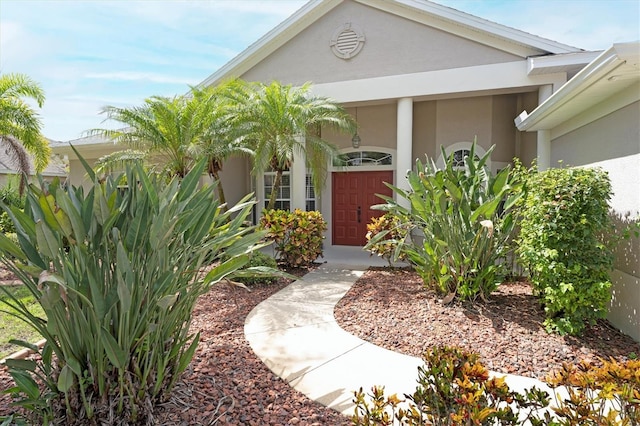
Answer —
167 301
10 248
22 364
47 242
65 379
225 268
25 383
115 354
24 344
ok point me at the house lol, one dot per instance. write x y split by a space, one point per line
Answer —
594 121
55 168
416 76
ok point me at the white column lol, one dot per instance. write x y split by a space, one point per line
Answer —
404 144
544 136
544 149
298 180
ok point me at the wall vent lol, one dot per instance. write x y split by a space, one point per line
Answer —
347 41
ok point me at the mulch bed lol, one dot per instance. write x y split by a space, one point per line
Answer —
391 309
227 384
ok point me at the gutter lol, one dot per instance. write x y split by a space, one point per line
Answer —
604 64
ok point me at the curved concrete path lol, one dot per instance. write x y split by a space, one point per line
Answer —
296 335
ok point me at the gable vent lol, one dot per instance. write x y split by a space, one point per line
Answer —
347 41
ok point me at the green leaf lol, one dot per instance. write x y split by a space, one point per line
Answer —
115 354
225 268
47 242
25 383
65 379
22 364
187 355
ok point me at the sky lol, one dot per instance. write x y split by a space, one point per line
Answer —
87 54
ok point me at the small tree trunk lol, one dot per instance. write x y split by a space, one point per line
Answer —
274 190
221 196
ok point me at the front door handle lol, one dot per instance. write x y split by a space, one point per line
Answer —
359 214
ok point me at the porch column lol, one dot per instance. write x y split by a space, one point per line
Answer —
544 136
298 180
404 143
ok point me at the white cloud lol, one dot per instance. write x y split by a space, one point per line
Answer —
141 76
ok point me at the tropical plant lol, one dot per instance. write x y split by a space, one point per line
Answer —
394 231
297 236
20 125
564 226
117 272
460 222
455 389
173 133
279 121
10 195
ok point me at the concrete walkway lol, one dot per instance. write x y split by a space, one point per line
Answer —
296 335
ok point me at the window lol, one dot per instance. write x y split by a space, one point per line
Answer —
459 156
363 158
460 150
283 198
310 195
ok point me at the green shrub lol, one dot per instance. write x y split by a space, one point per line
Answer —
394 230
117 272
297 235
564 221
10 196
253 272
460 222
454 389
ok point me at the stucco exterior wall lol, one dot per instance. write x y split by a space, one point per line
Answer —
613 136
463 120
613 143
393 45
424 130
236 179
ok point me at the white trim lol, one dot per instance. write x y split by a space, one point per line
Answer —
480 151
438 84
560 63
591 86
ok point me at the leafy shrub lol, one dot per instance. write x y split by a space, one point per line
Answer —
10 196
394 231
464 217
564 221
257 270
297 235
454 389
116 271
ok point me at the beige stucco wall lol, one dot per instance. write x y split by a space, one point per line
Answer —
394 45
613 143
236 179
376 127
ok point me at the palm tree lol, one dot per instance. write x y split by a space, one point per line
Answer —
177 131
219 142
280 120
20 125
162 127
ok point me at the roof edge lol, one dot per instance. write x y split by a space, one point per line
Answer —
606 62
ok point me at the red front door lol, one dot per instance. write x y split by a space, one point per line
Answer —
353 195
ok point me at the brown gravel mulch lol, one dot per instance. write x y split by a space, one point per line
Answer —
391 309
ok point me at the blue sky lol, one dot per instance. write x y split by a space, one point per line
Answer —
88 54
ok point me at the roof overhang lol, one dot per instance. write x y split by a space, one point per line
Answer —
614 74
566 62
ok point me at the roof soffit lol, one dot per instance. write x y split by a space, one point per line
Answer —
425 12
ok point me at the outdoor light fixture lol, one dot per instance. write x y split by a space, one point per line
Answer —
355 140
